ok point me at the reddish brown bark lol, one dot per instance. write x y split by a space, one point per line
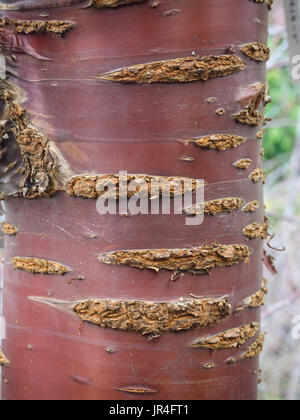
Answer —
101 127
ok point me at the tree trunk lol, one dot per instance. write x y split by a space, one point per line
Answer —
176 314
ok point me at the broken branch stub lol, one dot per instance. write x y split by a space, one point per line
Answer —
178 70
201 259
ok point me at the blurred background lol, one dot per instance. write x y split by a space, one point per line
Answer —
280 361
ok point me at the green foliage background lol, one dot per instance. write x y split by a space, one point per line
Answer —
280 136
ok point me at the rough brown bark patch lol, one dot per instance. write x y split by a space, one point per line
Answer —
113 3
269 3
256 51
219 142
230 339
258 299
214 207
201 259
93 186
257 175
36 26
3 360
256 230
256 348
255 95
178 70
153 318
243 163
8 229
30 165
137 390
39 266
251 207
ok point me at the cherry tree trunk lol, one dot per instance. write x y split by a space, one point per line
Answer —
124 306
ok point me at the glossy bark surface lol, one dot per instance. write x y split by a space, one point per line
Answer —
103 127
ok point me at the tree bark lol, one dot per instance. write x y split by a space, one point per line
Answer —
69 113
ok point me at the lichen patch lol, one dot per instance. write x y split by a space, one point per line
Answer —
218 206
39 266
178 70
195 260
256 51
230 339
219 142
8 229
153 318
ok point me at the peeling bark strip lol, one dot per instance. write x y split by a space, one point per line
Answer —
39 266
93 186
256 51
137 390
257 230
8 229
230 339
23 5
30 165
153 318
214 207
201 259
258 299
243 163
178 70
250 115
36 26
112 3
256 348
219 142
257 175
251 207
3 360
